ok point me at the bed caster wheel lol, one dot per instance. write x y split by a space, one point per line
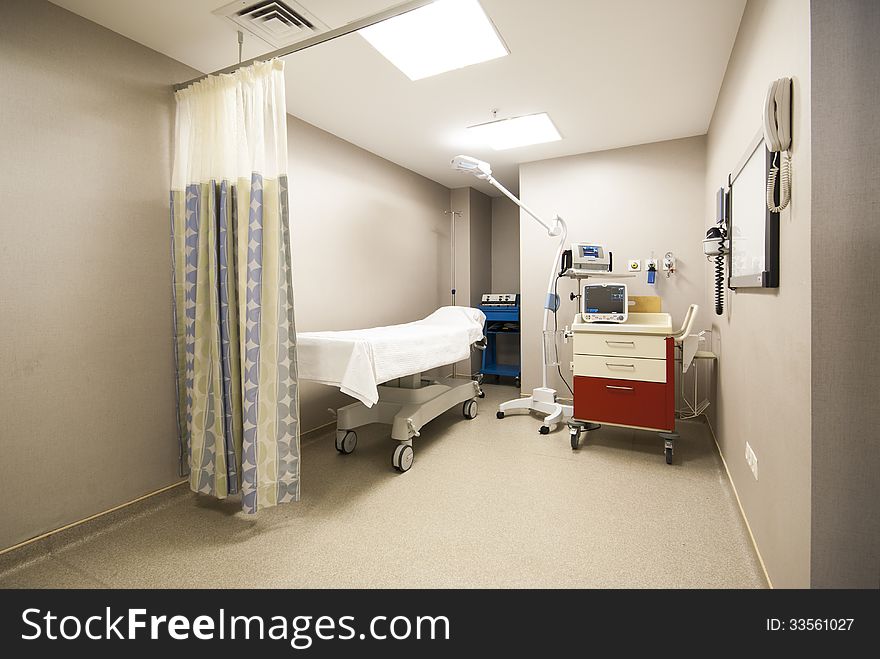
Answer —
544 430
347 442
575 440
499 415
516 382
402 458
469 409
482 394
669 456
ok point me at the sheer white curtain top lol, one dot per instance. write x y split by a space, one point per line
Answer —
229 126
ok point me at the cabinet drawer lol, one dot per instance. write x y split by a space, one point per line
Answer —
625 345
625 402
621 368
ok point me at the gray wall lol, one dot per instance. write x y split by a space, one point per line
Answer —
460 200
845 240
635 201
370 245
505 246
480 219
473 238
87 392
505 268
763 338
481 245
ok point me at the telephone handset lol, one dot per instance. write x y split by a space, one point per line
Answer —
777 136
777 115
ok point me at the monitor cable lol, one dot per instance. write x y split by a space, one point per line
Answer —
555 330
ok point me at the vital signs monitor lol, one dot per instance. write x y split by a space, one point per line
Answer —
604 303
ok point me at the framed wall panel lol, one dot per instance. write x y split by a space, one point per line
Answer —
754 229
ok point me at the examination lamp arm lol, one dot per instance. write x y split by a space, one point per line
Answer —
551 230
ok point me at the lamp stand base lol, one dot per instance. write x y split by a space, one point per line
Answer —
543 401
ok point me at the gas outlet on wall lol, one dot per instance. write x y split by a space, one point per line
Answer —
649 263
634 265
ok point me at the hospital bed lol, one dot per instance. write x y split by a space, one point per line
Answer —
382 368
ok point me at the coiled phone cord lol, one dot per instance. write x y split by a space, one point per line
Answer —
719 272
784 188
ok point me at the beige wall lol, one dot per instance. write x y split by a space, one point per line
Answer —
635 201
87 393
505 246
370 245
845 238
764 369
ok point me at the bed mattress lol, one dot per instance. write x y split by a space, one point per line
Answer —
357 361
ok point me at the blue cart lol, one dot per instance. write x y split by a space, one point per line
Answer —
501 319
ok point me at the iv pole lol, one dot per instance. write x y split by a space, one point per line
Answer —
452 215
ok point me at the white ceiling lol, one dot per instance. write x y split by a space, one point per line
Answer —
610 74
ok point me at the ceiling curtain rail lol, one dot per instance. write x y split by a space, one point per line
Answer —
348 28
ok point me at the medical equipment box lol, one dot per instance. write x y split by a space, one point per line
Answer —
589 257
510 300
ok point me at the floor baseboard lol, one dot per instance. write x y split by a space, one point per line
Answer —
742 511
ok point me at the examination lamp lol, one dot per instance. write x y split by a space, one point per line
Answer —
543 399
469 165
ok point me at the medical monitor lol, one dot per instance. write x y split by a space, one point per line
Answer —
604 303
590 257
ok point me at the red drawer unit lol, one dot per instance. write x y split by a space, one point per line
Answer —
634 403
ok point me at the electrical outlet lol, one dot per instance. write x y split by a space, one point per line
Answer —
634 265
649 263
752 460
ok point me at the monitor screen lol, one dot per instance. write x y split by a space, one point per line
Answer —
590 251
604 299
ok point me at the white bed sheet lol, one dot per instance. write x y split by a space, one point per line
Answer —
357 361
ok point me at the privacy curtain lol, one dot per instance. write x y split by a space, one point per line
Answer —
238 405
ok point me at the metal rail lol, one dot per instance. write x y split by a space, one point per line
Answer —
354 26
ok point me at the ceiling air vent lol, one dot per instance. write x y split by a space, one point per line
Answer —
279 23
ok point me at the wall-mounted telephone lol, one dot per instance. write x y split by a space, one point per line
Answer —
777 136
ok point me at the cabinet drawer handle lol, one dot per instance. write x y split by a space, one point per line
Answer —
632 366
611 386
625 343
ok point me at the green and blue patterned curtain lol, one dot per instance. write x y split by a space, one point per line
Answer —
235 341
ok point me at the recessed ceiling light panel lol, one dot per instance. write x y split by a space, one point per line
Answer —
517 131
439 37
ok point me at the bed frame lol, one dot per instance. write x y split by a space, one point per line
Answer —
406 404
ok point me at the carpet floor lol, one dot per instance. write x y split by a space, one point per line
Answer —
488 503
